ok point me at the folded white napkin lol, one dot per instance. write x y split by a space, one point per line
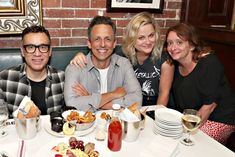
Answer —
22 105
160 146
128 116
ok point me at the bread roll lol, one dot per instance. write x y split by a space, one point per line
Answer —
31 111
133 107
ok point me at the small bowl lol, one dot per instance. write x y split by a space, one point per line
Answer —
79 126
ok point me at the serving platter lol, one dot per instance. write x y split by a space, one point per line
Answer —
46 150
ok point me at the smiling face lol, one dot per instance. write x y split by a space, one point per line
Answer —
146 39
102 43
37 61
178 48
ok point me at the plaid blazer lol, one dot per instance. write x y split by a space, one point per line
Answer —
14 85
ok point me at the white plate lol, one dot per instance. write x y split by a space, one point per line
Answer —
82 126
47 127
169 127
168 131
168 116
45 150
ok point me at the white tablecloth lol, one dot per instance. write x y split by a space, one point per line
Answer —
147 145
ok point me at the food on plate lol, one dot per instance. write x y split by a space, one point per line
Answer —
75 148
88 117
30 111
133 107
105 116
68 129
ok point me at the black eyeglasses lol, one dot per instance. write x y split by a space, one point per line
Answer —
43 48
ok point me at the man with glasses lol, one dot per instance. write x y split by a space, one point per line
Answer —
34 78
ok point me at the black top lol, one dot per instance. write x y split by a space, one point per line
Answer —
206 84
38 95
148 75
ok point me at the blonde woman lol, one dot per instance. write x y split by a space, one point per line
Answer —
142 46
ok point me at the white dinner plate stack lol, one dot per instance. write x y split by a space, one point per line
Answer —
168 123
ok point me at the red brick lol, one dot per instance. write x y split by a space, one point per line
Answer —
12 43
122 23
98 3
58 13
167 14
73 41
75 3
60 32
74 23
86 13
51 3
170 23
174 5
52 23
79 32
55 42
115 15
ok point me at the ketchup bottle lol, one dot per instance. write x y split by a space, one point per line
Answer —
115 130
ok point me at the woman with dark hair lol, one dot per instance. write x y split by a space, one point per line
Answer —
200 82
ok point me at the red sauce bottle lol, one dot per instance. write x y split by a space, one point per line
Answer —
115 130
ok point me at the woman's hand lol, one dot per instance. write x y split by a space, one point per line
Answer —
205 112
79 60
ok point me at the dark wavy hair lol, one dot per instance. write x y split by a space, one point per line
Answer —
188 33
36 29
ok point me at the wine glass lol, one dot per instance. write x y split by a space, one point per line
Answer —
191 121
3 118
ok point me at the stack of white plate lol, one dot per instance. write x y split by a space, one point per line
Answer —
168 123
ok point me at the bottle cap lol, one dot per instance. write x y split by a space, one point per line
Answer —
116 106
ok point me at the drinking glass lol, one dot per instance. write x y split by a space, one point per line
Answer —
191 121
3 119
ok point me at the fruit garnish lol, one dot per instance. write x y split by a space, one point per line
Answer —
68 129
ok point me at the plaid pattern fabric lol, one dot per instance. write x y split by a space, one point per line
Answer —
14 85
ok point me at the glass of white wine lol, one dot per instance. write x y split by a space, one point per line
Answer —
3 118
191 121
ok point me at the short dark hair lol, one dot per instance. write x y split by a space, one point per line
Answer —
97 20
36 29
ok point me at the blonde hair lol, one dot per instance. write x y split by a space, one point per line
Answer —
130 37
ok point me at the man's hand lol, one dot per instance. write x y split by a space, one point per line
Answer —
80 90
79 60
119 92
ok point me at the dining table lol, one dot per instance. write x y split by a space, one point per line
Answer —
148 144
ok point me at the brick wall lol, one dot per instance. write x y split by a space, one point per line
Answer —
67 20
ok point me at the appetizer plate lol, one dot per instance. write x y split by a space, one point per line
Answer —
46 151
47 127
82 126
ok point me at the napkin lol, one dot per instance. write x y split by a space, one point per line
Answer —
128 116
12 149
161 146
22 105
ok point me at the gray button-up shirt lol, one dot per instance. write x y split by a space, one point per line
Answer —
120 74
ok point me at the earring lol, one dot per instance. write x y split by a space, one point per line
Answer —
192 48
